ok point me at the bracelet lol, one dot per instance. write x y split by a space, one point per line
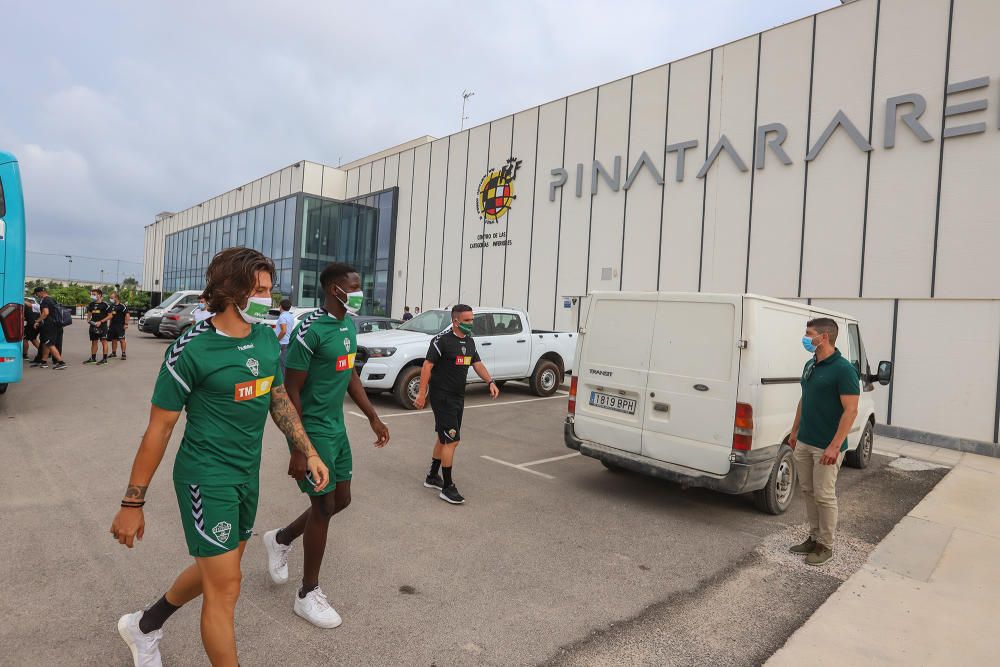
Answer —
311 455
133 503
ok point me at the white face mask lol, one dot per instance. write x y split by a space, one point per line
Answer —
353 302
256 309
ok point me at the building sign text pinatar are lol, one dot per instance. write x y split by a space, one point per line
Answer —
907 108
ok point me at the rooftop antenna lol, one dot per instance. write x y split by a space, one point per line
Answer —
466 94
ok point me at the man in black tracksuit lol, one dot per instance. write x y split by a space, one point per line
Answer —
445 372
99 313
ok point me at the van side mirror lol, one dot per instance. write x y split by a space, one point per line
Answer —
884 375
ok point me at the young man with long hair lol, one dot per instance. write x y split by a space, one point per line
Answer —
225 373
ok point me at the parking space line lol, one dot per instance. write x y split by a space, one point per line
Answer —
549 460
517 467
410 413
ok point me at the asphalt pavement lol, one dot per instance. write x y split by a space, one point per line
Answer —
553 559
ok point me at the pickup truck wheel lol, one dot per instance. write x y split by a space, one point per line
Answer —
777 495
407 387
862 454
545 380
499 383
3 388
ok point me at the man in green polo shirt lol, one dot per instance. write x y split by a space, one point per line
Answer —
319 374
827 410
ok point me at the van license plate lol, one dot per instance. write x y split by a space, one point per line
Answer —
616 403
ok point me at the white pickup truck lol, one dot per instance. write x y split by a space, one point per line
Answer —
511 350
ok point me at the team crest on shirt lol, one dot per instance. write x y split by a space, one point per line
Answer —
222 530
254 366
347 344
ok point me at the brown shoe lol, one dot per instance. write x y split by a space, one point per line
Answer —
806 547
820 555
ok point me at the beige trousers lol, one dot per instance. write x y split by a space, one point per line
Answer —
819 487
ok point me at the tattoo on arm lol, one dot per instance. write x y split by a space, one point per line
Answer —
287 419
136 492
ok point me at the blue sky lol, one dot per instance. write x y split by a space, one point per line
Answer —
119 110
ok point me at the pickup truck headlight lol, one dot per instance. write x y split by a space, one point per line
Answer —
375 352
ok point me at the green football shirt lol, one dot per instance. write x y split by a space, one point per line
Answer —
325 347
225 383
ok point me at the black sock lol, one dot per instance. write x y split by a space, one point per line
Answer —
154 617
280 538
435 464
105 357
93 357
305 590
447 475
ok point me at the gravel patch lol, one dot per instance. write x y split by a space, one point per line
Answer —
913 465
849 554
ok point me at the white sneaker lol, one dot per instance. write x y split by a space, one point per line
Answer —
277 557
145 648
315 608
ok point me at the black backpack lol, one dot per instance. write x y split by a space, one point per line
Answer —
65 316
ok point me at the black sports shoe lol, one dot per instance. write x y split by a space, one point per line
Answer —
451 495
34 364
102 362
58 366
434 482
113 355
90 361
43 365
123 357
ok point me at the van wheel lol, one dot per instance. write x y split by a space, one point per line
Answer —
545 380
407 387
3 388
860 456
777 495
499 383
612 467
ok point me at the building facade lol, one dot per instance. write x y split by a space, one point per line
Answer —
846 159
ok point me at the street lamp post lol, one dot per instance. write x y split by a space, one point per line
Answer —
69 269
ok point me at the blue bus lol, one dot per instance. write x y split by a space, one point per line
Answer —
12 250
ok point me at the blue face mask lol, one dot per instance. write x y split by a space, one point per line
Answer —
807 343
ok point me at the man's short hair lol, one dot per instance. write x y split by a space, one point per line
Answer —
286 304
39 290
97 290
406 308
825 325
334 272
460 308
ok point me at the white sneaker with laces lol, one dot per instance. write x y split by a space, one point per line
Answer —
316 609
277 557
145 648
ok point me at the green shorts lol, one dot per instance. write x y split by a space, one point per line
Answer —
217 518
336 454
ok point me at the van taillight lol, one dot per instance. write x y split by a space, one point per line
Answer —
572 396
743 427
12 322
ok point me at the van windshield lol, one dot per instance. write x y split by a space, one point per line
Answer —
431 322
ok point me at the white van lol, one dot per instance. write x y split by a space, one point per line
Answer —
701 389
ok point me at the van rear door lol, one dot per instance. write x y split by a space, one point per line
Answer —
693 380
612 368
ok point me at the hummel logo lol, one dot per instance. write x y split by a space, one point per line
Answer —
248 346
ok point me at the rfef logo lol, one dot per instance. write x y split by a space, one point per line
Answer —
247 390
345 362
496 191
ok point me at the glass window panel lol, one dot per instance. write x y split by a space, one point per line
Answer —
218 236
258 228
267 230
279 230
290 222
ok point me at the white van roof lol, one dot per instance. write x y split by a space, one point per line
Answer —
759 297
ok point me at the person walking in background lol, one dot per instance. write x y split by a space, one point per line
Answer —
416 311
201 312
407 315
99 313
444 375
118 324
50 331
285 325
31 313
831 386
